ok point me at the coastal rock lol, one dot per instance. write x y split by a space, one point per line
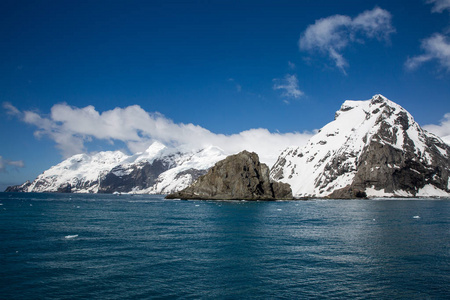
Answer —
238 177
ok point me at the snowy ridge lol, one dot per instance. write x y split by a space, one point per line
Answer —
159 169
368 140
373 148
183 174
81 172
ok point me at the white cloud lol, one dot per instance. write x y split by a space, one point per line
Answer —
436 47
289 85
4 163
10 109
333 34
442 130
439 5
71 127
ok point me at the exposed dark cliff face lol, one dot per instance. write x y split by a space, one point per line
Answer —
372 148
238 177
383 167
139 176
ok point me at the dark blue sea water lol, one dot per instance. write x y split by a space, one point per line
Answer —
66 246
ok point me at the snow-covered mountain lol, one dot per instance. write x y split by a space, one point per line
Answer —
158 170
372 148
79 173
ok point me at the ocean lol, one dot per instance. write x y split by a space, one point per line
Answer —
72 246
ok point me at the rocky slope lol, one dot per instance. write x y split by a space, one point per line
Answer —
21 188
238 177
373 148
158 170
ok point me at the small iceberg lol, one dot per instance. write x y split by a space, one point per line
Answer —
71 236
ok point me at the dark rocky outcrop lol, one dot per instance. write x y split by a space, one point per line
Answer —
141 176
124 179
384 167
238 177
65 188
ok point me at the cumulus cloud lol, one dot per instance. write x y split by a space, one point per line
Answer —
289 86
436 47
4 163
439 5
71 127
442 130
333 34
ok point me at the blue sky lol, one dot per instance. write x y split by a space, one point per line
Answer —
75 74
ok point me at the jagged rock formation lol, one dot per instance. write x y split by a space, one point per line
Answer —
158 170
238 177
373 148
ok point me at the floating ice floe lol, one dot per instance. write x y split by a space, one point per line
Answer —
71 236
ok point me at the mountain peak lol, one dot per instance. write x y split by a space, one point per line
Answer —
155 147
378 98
373 146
